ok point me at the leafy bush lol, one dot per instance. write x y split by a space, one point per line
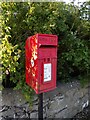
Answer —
10 56
75 58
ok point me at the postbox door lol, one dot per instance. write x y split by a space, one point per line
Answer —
47 75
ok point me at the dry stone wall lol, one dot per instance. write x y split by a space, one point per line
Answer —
63 102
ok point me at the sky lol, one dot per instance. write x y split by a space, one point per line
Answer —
75 1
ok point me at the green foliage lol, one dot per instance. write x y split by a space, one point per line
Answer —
20 20
10 55
74 58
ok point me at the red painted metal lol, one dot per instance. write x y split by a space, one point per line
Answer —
41 62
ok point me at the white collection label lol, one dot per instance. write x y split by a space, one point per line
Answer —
47 72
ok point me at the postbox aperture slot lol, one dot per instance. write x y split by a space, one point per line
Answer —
47 46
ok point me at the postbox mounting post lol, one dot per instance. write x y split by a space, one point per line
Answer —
40 106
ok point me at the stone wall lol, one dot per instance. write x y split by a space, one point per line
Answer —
63 102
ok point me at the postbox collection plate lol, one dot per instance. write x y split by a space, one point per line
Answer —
47 72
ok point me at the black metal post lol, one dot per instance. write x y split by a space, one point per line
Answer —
40 106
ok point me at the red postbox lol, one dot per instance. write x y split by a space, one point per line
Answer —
41 62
